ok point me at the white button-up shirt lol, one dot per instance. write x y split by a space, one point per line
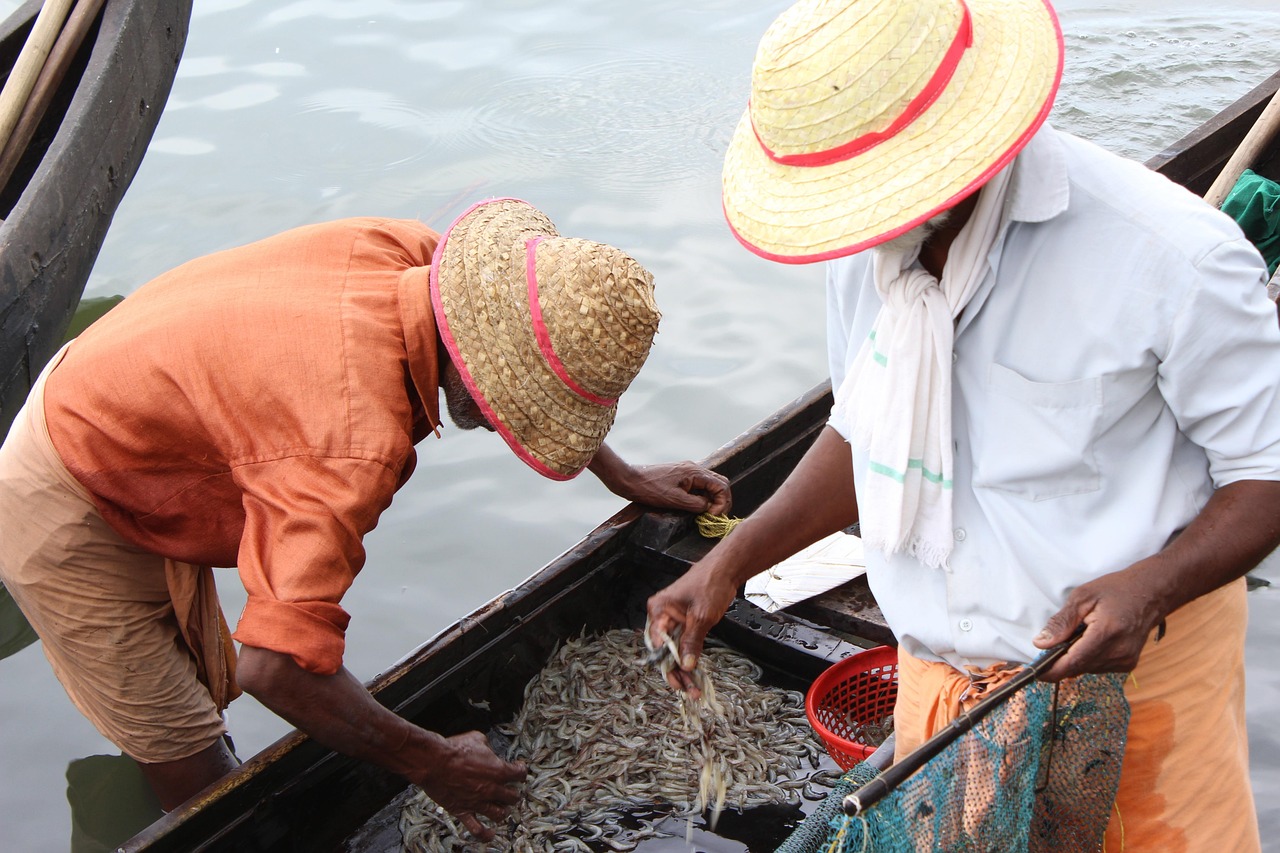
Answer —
1118 363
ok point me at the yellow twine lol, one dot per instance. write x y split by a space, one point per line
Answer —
837 843
716 526
1120 824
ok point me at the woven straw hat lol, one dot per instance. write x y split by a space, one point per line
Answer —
547 331
868 117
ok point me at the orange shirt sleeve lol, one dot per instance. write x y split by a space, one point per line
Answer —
305 518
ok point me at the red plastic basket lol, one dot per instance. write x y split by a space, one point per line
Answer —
858 691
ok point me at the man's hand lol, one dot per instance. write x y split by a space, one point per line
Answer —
1238 526
471 781
691 606
1120 613
461 773
815 500
680 485
685 486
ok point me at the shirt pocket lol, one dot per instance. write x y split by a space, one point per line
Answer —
1041 436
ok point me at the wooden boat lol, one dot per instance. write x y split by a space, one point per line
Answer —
70 178
296 795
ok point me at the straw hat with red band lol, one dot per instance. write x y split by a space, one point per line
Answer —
546 331
869 117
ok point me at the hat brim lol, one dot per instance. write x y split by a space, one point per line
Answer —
1000 94
479 292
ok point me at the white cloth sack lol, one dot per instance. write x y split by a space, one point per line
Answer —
824 565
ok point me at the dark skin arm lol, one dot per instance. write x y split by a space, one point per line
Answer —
1237 528
676 485
816 500
461 773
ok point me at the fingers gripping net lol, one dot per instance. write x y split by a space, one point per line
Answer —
1038 773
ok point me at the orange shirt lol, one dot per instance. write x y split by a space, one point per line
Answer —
258 408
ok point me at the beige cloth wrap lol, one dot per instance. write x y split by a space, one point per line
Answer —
139 642
1184 783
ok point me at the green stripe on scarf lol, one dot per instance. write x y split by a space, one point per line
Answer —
901 476
879 357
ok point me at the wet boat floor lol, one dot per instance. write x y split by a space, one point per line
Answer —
755 830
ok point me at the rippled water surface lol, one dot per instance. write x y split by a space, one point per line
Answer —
613 118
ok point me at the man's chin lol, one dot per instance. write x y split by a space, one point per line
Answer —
912 240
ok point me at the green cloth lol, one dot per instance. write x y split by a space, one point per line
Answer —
15 632
1254 202
110 802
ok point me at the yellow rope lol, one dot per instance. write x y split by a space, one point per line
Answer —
1120 823
837 843
716 526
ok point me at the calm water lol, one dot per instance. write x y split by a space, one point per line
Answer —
612 118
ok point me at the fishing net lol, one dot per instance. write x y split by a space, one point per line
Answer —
1038 773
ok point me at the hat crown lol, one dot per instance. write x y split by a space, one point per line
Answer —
828 73
598 308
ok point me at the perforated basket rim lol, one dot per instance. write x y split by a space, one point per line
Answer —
846 752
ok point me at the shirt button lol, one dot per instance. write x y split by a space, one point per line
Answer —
966 624
954 357
960 534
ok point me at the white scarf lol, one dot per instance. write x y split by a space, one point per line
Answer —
897 394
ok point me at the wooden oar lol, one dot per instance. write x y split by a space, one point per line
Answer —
46 85
30 60
1254 143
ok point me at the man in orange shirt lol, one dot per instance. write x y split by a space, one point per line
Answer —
258 408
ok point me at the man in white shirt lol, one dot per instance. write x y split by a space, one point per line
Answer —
1055 378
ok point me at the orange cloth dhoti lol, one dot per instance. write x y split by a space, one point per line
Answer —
105 609
1184 781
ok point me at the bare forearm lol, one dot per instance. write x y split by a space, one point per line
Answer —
336 711
610 469
459 772
1120 611
816 500
1238 527
686 486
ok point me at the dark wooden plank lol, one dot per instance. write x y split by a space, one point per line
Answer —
60 201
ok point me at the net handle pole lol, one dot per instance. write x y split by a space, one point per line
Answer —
875 790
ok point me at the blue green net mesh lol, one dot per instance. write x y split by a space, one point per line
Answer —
1038 773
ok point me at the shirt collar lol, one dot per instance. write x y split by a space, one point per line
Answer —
1040 186
1039 190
